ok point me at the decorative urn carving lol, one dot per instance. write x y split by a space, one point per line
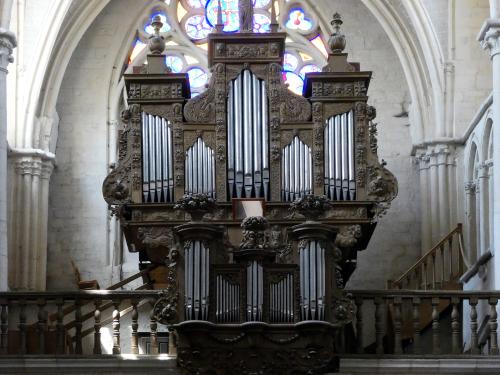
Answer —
337 40
311 206
197 205
156 41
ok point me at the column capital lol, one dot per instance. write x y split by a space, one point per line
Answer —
489 36
7 44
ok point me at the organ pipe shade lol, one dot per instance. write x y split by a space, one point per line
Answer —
340 180
312 281
196 283
281 303
200 169
228 300
157 159
296 170
248 140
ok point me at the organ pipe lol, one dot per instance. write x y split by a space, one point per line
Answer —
312 281
200 169
228 300
157 166
255 291
197 266
296 170
340 180
281 300
248 162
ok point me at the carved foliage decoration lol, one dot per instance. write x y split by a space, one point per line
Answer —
201 109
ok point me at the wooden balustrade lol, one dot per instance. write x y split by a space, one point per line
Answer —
385 322
439 268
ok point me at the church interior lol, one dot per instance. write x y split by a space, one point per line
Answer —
249 186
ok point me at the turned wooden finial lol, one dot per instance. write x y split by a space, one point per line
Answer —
337 40
219 26
156 41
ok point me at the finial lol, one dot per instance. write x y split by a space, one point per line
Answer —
156 41
219 26
245 8
337 41
274 21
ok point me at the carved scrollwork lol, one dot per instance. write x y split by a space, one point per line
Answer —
382 185
165 308
201 109
294 108
343 310
254 236
349 236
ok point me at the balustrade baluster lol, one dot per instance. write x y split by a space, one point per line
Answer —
22 327
78 327
455 326
435 326
97 327
153 336
416 325
379 326
116 327
493 326
61 335
359 325
474 344
398 349
134 339
41 325
417 279
4 326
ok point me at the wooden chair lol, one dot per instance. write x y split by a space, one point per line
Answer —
83 284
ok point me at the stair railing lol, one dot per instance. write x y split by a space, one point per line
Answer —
442 265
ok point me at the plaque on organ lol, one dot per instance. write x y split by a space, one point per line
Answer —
252 201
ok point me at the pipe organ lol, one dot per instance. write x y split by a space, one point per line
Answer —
157 175
296 170
340 180
200 173
261 285
248 145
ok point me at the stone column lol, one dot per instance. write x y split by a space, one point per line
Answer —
489 37
7 43
426 226
484 230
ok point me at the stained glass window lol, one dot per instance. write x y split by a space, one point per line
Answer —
319 44
197 3
291 62
197 77
294 82
261 23
175 63
308 69
230 14
297 20
166 27
197 27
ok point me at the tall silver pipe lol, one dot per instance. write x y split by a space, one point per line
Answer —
265 139
352 177
257 135
238 123
247 132
230 137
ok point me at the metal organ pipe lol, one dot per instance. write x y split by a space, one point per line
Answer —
255 291
296 171
157 166
197 267
312 281
340 180
281 300
200 162
248 162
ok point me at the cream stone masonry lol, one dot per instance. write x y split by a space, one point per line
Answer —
7 44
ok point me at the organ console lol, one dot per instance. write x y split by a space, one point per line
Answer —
263 295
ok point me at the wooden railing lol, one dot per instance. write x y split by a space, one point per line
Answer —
439 268
370 330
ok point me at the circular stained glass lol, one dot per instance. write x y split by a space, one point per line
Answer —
261 23
197 77
294 82
175 63
166 27
291 62
297 20
260 3
308 69
230 14
197 27
197 3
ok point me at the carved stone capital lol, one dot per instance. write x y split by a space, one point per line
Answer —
28 166
470 187
7 44
491 40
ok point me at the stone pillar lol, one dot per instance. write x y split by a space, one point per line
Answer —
483 187
7 43
28 214
471 225
489 37
426 226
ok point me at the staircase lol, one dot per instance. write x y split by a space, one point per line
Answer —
439 269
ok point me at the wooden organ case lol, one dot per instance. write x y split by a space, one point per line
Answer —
263 294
